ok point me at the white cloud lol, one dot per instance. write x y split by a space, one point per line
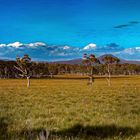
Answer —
66 47
15 45
138 48
129 53
90 46
19 44
2 45
42 50
36 44
61 54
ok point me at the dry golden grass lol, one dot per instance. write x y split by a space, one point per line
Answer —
70 109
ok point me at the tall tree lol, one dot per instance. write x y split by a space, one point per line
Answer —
53 69
90 61
24 67
109 60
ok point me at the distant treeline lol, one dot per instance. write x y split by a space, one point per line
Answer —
43 69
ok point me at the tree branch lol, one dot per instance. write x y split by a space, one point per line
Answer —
19 69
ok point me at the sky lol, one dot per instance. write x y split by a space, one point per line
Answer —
65 29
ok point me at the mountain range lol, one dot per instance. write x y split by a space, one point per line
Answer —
79 60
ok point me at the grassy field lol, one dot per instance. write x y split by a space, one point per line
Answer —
70 109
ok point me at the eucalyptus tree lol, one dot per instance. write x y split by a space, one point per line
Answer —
90 62
53 69
24 67
109 60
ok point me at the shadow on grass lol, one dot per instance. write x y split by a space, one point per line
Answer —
3 128
105 131
77 131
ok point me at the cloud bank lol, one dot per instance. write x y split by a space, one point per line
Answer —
44 52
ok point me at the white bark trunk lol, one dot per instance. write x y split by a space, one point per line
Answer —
51 75
28 81
109 76
91 77
90 80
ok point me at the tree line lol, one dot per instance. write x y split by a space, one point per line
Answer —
43 69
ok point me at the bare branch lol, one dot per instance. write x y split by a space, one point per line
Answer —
19 69
21 75
19 64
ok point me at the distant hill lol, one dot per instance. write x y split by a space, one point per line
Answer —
79 61
122 61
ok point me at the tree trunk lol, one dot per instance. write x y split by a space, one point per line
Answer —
44 135
109 75
28 81
90 80
91 77
51 75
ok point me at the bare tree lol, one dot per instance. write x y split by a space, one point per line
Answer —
90 61
108 60
24 67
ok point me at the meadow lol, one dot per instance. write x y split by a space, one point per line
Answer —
70 109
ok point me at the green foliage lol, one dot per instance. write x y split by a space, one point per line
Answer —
43 69
110 60
24 65
90 60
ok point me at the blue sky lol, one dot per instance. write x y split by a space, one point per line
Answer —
106 26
